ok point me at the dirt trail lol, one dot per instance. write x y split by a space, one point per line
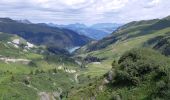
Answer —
76 78
13 60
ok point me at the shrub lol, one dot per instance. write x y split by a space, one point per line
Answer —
12 78
26 81
32 64
135 64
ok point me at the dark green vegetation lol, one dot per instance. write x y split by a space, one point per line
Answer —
140 74
41 34
163 45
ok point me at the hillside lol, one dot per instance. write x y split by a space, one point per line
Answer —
134 34
120 66
137 34
85 50
30 72
41 34
163 45
139 55
139 74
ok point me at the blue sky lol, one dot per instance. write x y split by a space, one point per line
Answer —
84 11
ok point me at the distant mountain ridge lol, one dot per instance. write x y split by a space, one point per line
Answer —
96 31
25 21
41 34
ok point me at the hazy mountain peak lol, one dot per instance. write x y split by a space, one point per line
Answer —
96 31
25 21
6 20
105 25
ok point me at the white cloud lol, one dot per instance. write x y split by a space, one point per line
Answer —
73 2
108 5
155 2
84 11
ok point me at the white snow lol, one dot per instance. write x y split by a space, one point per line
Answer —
97 63
16 41
30 45
60 67
71 50
9 42
16 46
67 70
70 71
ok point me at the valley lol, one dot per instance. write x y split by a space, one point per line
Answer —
96 31
36 64
127 49
84 50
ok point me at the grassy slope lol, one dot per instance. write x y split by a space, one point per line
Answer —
44 77
129 36
117 49
132 35
148 85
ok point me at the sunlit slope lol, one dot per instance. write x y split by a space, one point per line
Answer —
28 71
131 35
139 74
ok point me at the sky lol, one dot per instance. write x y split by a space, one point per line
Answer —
84 11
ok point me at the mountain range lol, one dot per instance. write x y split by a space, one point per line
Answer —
96 31
131 63
42 34
131 31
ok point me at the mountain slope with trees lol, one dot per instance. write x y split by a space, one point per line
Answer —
41 34
139 55
133 34
139 74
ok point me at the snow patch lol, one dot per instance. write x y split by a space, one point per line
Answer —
16 41
97 63
67 70
60 67
71 50
30 45
70 71
15 45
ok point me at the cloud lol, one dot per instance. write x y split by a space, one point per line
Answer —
152 3
84 11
